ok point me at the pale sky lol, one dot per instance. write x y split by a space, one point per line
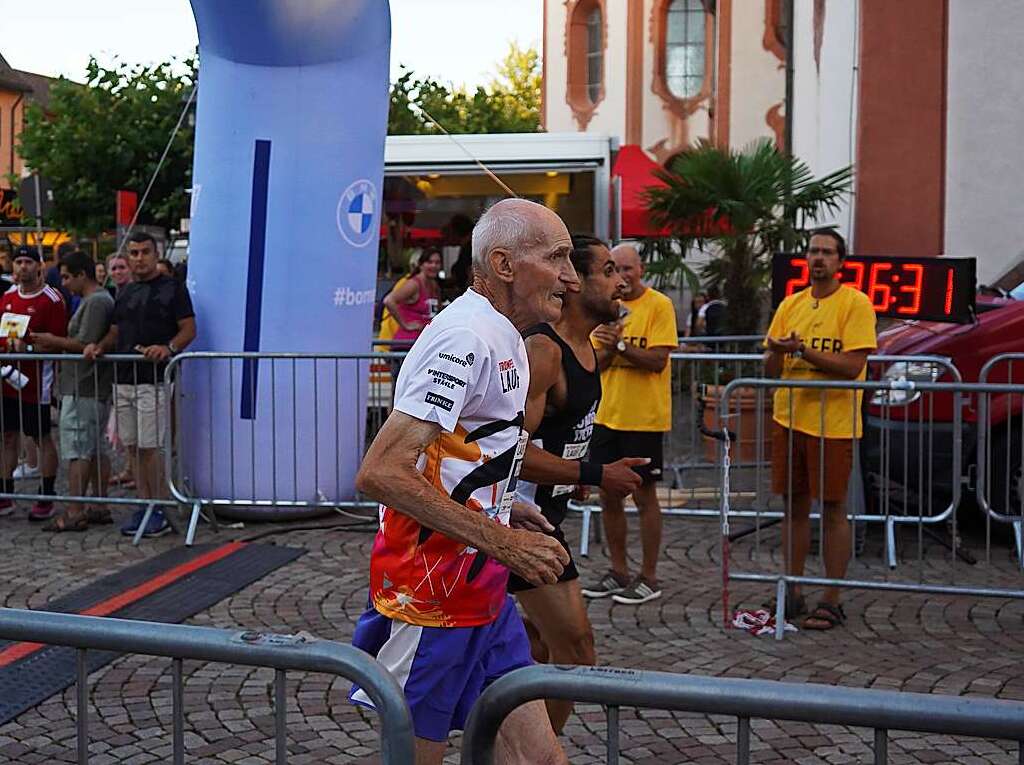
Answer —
457 41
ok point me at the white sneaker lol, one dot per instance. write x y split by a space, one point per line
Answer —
24 470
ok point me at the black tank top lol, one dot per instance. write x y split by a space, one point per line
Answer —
565 433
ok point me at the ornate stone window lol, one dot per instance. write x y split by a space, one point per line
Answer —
585 40
682 33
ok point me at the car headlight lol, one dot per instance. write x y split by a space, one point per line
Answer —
907 371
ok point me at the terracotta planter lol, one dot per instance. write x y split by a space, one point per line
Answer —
744 427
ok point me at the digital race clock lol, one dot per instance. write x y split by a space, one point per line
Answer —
929 289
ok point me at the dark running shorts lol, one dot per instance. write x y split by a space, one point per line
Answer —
518 584
607 445
27 417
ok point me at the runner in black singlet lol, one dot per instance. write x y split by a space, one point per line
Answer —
565 389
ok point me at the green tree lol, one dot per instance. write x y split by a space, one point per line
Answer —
509 104
744 206
108 134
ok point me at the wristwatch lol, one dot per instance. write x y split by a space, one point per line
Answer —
621 346
799 352
174 351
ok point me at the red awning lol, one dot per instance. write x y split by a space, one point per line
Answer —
636 173
636 170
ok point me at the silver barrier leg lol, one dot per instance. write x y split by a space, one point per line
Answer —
1018 540
178 712
142 526
743 741
890 541
585 532
83 708
612 717
881 746
193 522
280 718
780 609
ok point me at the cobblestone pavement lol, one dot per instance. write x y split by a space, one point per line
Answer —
920 643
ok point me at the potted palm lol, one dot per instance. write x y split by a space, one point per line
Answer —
742 207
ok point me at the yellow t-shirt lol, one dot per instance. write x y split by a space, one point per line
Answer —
634 398
389 324
844 321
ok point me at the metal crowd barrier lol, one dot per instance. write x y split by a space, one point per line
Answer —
918 466
883 711
693 448
88 391
999 488
284 464
283 653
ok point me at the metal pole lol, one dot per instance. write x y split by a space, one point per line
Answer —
881 746
178 714
39 216
743 741
280 713
83 707
613 734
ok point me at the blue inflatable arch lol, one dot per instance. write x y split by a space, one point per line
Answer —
289 153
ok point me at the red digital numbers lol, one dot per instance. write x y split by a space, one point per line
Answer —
856 268
913 306
880 294
802 279
923 288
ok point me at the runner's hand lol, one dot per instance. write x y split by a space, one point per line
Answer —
537 558
581 493
619 478
526 515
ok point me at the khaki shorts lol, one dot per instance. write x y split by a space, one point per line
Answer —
142 412
813 459
83 423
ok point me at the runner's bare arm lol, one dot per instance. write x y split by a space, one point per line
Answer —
606 335
543 467
389 475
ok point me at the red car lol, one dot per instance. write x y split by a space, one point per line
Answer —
916 431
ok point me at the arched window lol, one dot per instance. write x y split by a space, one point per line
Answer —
595 54
685 48
585 41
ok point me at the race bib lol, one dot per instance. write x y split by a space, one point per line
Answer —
505 507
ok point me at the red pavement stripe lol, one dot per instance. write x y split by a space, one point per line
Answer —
106 607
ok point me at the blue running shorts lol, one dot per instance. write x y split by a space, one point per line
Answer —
442 670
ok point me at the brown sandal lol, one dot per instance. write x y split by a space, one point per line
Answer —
827 615
68 521
99 514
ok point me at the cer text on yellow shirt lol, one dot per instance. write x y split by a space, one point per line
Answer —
634 398
843 321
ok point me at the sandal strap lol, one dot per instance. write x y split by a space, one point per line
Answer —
828 612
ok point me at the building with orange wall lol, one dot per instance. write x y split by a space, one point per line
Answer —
661 74
18 89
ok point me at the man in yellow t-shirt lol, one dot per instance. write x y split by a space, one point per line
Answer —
824 332
635 412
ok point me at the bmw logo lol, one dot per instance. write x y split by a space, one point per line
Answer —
356 211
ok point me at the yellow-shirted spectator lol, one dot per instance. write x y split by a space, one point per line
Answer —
824 332
635 412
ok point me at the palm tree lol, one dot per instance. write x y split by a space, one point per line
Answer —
745 206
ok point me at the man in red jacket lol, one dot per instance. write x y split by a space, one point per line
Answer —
29 306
